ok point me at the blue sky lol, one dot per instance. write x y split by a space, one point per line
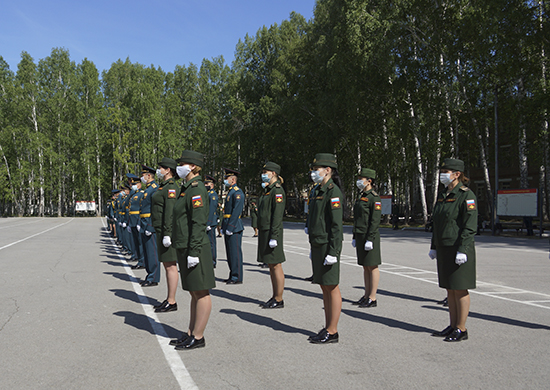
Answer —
164 33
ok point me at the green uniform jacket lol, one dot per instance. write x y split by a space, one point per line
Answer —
454 228
271 209
254 216
162 207
189 236
367 212
325 231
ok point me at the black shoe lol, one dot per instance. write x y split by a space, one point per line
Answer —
443 302
165 302
310 279
319 334
446 303
179 341
191 343
326 338
269 301
167 308
369 303
231 281
444 333
137 266
457 335
273 304
360 301
147 283
132 259
264 265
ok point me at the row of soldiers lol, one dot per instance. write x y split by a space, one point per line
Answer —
129 217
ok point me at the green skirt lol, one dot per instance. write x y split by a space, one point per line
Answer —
165 255
452 276
325 275
201 277
266 254
367 258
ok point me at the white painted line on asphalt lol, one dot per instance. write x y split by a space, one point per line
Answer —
34 235
170 354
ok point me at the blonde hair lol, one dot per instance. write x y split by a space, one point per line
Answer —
197 170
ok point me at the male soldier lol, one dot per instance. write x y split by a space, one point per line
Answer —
149 238
126 230
126 245
111 212
213 216
118 214
232 227
133 225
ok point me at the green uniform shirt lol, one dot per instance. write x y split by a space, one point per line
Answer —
455 219
190 216
325 217
162 207
271 210
367 212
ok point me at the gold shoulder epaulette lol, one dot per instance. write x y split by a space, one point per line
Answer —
278 185
374 193
154 185
194 184
331 186
236 188
464 188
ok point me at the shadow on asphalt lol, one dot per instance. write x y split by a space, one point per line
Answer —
390 322
142 322
499 319
305 293
266 321
234 297
119 275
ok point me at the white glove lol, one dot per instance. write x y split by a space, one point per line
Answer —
228 233
129 229
369 246
330 260
208 228
192 261
166 241
148 233
124 225
305 230
138 228
353 243
222 232
272 243
119 224
432 254
116 220
461 258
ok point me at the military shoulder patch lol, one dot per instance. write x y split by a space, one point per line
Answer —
471 204
238 196
464 188
278 185
331 186
378 205
236 188
335 203
279 198
171 193
196 201
154 185
194 184
374 193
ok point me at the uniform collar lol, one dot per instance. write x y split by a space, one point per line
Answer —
327 184
169 181
196 178
268 187
454 191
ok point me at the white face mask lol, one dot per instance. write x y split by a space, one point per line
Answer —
134 187
360 184
159 174
316 176
264 185
183 171
143 180
445 179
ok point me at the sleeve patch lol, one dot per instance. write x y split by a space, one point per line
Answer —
471 204
197 201
335 203
378 205
171 193
238 196
278 198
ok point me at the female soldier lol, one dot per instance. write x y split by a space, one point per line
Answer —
254 217
162 207
324 227
454 228
366 237
193 248
271 209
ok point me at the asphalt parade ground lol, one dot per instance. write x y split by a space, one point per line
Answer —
73 316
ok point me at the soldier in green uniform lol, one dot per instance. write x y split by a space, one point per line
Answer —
118 214
324 227
454 229
213 216
271 210
254 216
149 234
193 247
128 240
162 207
366 236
